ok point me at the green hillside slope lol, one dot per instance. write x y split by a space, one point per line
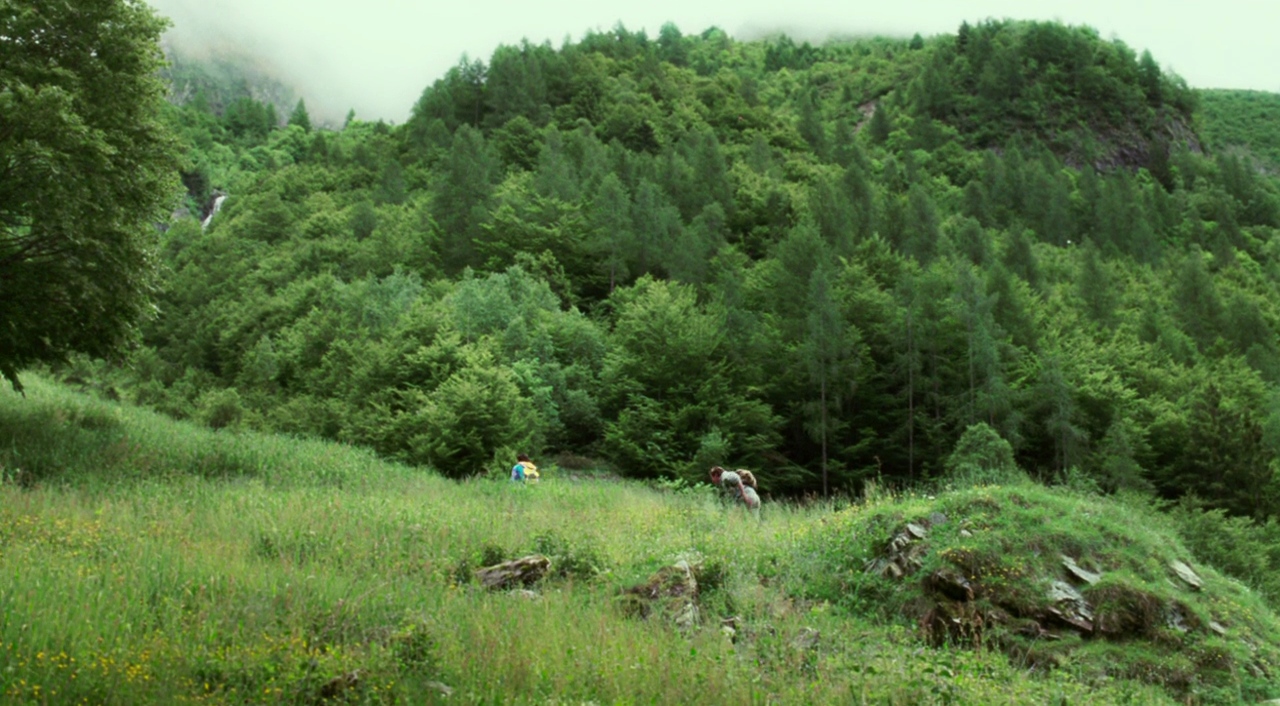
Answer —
1243 120
144 560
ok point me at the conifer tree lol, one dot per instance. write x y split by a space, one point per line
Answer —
555 176
687 261
810 125
610 217
657 228
826 351
1020 258
922 225
300 117
1094 286
909 360
1054 391
462 198
1196 301
881 124
833 214
861 197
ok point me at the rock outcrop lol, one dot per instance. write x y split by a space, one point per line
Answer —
509 574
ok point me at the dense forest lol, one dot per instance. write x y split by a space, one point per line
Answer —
822 262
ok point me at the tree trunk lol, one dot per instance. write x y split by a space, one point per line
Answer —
826 492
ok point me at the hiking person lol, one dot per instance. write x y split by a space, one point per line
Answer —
732 482
524 470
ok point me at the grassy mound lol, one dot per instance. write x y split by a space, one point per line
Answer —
1054 580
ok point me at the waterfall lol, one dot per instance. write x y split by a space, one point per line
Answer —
217 204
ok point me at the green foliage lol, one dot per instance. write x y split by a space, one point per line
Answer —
89 167
1242 120
789 257
982 457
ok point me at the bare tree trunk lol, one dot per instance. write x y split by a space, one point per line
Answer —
911 397
826 491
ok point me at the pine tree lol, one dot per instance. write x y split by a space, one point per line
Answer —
1054 391
881 125
687 261
827 353
988 393
1020 258
300 117
1149 79
910 360
922 225
833 214
810 125
1094 286
861 196
972 241
556 176
656 225
462 197
1196 301
610 217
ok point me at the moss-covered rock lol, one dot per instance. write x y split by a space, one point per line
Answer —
1050 577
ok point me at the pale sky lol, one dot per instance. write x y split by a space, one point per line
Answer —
377 56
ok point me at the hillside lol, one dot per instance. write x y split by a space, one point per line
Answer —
825 262
1243 120
144 560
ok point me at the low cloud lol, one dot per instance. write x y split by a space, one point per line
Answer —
377 57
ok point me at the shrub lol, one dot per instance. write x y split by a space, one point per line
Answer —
219 409
982 456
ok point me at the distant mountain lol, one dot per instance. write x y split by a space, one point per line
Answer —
217 79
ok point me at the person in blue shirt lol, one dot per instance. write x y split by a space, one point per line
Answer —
524 470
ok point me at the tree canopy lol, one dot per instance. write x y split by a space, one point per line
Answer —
812 261
87 167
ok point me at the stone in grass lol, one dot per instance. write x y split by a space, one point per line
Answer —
807 639
672 590
950 583
1069 606
444 690
1185 573
520 572
1075 570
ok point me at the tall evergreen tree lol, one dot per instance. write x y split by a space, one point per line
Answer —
657 228
827 353
610 216
811 125
462 197
300 117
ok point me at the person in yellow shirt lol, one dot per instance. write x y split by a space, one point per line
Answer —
524 471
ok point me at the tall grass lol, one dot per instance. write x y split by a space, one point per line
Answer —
148 561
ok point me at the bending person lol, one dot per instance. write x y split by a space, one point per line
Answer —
732 483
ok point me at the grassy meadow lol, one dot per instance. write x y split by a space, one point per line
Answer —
144 560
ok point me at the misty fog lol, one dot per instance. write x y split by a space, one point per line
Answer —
376 57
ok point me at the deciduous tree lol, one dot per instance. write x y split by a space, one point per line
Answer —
86 169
